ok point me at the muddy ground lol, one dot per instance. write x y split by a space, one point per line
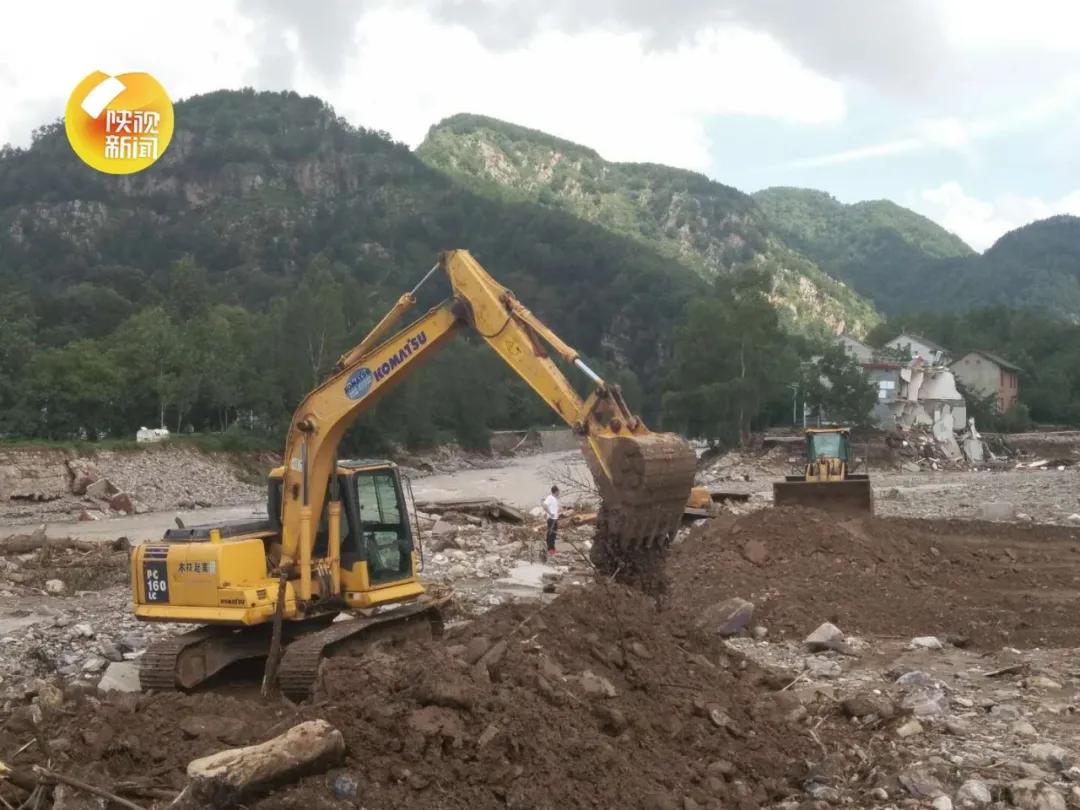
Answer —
597 697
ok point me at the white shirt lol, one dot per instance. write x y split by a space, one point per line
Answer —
551 506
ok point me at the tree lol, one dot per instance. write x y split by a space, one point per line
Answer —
834 385
732 360
74 389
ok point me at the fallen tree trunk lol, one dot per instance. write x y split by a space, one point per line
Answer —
223 779
25 543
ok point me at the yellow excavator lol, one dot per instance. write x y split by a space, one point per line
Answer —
827 481
338 538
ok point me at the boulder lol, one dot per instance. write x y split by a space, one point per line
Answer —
122 502
83 474
927 643
102 489
827 637
1051 756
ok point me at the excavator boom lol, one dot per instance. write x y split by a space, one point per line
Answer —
643 477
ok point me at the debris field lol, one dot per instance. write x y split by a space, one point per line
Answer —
797 659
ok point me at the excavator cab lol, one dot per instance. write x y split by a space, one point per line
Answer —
377 540
827 481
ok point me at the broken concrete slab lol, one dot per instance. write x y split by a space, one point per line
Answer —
121 676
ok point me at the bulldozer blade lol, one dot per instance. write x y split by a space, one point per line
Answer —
852 496
650 478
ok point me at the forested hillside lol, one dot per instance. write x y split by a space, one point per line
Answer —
875 246
704 224
906 263
222 283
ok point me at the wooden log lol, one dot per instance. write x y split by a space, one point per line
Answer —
225 778
25 543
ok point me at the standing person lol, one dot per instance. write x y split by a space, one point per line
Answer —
551 509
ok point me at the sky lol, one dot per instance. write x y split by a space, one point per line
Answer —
967 111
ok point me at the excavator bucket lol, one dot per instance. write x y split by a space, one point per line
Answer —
650 478
852 495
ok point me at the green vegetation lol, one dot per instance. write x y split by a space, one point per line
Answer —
212 291
683 215
835 385
877 247
906 263
733 362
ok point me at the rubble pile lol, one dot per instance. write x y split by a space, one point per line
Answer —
596 695
54 485
991 583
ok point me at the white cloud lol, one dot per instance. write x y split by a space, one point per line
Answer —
980 223
403 70
602 89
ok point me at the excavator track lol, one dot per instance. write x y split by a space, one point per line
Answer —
158 666
300 664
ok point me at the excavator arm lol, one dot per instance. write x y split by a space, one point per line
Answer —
643 477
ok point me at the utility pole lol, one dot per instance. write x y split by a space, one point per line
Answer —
794 403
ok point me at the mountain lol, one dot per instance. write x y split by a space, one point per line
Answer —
876 246
906 263
271 211
695 221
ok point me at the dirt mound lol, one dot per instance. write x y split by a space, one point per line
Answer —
992 583
597 700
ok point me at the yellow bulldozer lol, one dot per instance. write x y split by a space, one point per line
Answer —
826 481
337 539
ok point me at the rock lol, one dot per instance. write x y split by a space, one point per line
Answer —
942 803
93 664
759 632
823 793
869 704
49 695
825 637
920 783
1022 728
1031 794
926 702
756 552
122 502
111 651
102 489
879 795
957 727
345 786
823 667
90 514
726 618
55 587
120 677
915 678
927 643
1073 518
595 685
83 474
1052 756
973 793
1042 682
997 510
84 629
909 729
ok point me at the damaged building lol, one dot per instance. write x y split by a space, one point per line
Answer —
918 393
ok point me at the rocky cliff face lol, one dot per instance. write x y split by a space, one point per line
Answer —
704 225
